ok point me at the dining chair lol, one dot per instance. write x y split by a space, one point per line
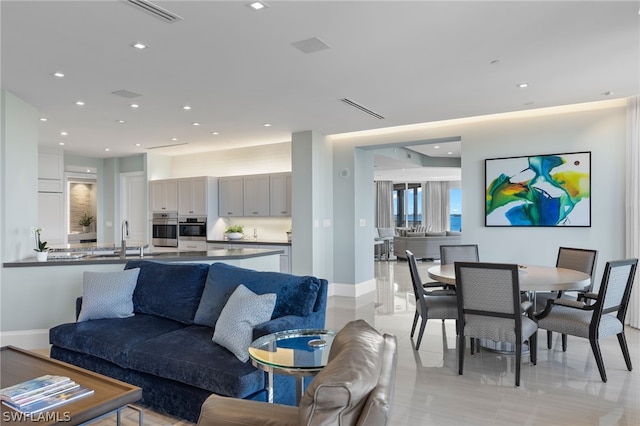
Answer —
449 254
489 308
578 259
600 319
438 304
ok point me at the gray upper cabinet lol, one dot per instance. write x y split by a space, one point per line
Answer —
193 196
280 194
256 195
164 195
231 196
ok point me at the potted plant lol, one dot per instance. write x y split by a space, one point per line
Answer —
86 220
42 251
235 232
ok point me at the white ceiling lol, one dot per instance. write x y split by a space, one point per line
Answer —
411 62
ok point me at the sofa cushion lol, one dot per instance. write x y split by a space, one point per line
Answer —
243 311
296 295
339 392
168 290
110 339
108 294
436 234
453 233
415 234
204 364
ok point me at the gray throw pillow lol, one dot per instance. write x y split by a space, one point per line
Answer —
243 311
108 294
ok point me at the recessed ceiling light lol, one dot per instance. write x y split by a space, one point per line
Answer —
436 147
267 124
607 93
63 133
120 121
88 170
215 133
186 107
134 105
257 5
137 144
139 45
61 143
174 139
107 149
58 74
449 152
43 119
79 103
523 85
195 123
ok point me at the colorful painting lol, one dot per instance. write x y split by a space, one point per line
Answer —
541 190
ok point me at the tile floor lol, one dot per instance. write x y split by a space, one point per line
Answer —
563 389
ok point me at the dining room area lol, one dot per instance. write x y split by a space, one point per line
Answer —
562 388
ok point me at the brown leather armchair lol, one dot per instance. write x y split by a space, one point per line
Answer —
355 388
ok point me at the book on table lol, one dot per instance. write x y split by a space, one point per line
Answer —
42 393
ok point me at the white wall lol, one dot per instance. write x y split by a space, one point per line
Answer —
597 127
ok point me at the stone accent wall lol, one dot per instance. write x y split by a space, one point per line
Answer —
82 199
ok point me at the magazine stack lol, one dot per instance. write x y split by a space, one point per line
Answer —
42 393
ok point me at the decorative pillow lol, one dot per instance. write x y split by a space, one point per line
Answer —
296 294
108 294
243 311
386 232
415 234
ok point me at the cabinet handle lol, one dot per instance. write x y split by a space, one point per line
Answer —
255 212
229 212
283 212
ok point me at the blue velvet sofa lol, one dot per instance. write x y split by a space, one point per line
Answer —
166 347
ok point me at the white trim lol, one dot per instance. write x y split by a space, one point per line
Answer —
26 339
352 290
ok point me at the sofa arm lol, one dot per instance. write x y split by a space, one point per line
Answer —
220 410
287 322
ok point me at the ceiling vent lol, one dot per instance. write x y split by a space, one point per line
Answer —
361 108
126 94
155 10
167 146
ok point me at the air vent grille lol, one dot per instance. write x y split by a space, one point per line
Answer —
361 108
155 10
167 146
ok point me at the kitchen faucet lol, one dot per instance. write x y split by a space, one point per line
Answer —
125 235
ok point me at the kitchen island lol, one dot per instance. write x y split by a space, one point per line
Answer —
39 295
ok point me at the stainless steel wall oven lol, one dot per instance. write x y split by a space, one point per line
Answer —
192 228
165 229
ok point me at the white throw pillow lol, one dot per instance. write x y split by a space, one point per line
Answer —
108 294
243 311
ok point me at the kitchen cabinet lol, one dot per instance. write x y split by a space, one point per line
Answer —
164 195
280 194
256 195
193 196
231 196
51 217
192 245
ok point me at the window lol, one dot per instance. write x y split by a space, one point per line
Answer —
455 209
407 204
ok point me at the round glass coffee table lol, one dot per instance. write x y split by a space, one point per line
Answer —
299 353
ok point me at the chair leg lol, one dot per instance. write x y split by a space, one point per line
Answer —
595 347
415 322
422 326
533 348
549 338
472 346
564 343
625 350
461 344
518 362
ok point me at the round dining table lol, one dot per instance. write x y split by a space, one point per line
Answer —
532 278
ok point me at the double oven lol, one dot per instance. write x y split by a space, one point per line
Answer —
164 229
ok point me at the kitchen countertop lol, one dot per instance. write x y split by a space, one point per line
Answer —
252 241
176 256
92 247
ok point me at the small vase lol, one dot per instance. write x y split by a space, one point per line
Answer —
235 235
41 256
85 229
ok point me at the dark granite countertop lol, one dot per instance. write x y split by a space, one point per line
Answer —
253 242
74 258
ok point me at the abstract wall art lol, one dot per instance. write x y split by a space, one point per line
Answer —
539 190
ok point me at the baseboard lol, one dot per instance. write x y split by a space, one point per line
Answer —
25 339
352 290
